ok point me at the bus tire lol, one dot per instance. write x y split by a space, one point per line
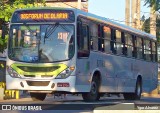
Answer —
38 96
93 95
137 94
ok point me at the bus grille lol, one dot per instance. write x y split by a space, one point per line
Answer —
42 76
29 75
38 83
38 69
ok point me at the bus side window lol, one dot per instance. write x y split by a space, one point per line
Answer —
129 44
134 40
139 48
147 50
83 41
154 52
113 42
119 41
71 47
94 36
106 41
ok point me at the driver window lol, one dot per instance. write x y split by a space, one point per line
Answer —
71 47
83 42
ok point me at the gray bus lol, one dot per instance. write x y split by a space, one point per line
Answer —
70 51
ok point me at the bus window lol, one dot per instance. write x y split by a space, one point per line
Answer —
139 48
154 52
71 47
113 41
134 46
119 42
100 46
94 36
147 50
106 39
83 42
129 44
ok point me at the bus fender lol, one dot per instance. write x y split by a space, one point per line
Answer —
94 72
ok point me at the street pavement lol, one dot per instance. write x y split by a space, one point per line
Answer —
75 104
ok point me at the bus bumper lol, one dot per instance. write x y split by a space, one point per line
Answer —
42 85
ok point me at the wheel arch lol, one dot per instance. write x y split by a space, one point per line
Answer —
139 77
97 73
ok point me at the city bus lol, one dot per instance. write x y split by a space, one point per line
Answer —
67 50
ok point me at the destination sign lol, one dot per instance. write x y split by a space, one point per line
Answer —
43 15
40 16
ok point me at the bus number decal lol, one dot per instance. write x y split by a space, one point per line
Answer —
63 36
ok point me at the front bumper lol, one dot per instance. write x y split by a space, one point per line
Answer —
41 84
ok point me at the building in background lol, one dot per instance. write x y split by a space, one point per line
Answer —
79 4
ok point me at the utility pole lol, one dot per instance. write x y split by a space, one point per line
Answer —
138 22
79 4
127 13
152 22
153 32
133 13
136 7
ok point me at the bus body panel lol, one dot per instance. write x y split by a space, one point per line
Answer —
119 74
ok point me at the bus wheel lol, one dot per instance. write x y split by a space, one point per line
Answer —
137 94
38 96
93 95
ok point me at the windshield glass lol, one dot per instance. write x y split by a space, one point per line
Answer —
41 43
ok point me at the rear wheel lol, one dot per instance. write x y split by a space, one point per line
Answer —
38 96
93 95
137 94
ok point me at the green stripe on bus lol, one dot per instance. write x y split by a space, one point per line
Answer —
61 68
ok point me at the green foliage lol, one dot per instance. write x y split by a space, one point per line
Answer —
7 7
146 25
146 28
158 31
153 3
3 43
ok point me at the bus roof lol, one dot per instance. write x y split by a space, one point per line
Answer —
101 19
115 24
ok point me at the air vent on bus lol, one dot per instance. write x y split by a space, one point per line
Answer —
38 69
43 76
38 83
29 75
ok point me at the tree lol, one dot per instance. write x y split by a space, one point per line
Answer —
7 7
146 28
153 3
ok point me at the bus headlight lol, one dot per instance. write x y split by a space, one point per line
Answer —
66 73
12 72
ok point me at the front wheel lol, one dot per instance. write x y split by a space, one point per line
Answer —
93 95
38 96
137 94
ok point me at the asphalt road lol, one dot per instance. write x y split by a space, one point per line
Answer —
75 104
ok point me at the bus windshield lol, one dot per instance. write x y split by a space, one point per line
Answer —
41 43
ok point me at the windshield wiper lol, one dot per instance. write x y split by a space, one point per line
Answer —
64 27
50 31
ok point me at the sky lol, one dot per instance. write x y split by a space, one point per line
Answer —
113 9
